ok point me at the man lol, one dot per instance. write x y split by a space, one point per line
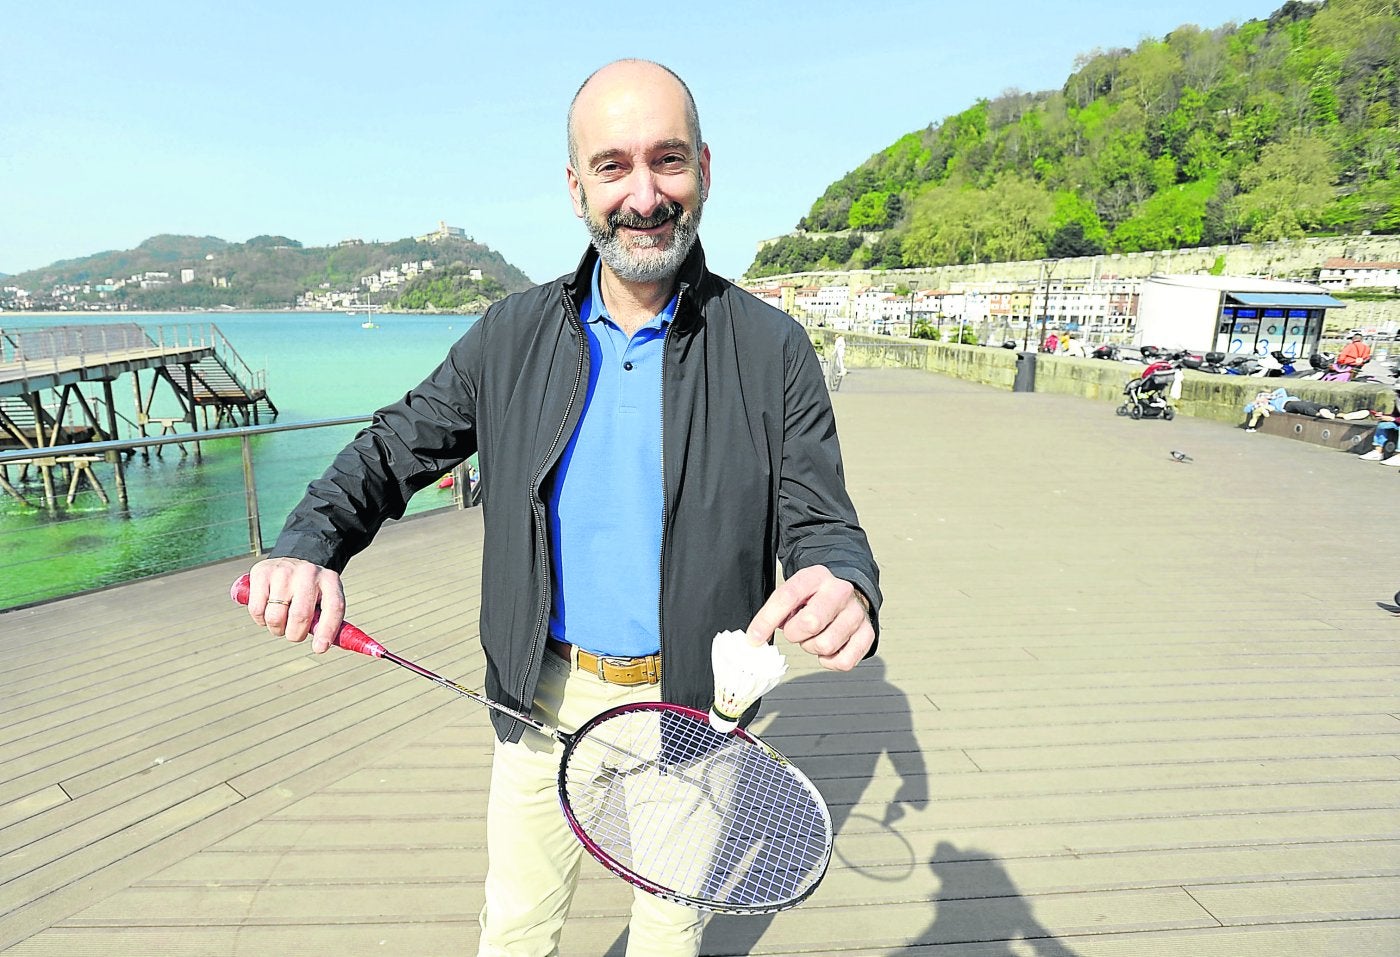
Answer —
1355 353
652 441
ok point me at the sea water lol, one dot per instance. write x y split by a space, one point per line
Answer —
181 511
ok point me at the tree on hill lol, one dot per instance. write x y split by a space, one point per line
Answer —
1273 128
273 242
450 290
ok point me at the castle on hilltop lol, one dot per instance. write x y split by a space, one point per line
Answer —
444 231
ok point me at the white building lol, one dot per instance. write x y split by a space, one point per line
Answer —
875 305
1232 314
1340 273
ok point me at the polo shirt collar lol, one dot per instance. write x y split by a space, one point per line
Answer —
597 309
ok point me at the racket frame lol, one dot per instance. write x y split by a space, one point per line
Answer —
651 887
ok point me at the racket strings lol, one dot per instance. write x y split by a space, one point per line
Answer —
712 819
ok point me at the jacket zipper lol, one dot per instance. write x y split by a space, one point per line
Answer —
665 503
541 540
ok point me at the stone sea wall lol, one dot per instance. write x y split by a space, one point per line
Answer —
1218 397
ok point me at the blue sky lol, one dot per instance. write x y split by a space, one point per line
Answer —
324 121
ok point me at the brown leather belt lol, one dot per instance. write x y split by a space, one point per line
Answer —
617 671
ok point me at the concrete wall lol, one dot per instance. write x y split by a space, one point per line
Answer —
1218 397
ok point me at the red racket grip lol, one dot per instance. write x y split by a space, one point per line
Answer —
349 637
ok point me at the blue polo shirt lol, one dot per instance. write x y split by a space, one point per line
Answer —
605 496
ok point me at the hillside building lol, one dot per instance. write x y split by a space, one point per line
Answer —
443 231
1339 273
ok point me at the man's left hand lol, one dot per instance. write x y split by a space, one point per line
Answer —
824 615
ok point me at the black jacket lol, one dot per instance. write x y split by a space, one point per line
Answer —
751 470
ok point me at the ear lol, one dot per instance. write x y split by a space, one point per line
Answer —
704 172
575 190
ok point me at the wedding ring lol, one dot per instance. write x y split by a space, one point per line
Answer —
279 601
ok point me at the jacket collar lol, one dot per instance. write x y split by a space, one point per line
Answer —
692 273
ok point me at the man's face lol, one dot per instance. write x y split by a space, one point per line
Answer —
639 181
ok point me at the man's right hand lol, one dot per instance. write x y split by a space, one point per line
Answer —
285 594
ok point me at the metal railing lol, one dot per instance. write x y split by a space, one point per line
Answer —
250 379
44 554
39 351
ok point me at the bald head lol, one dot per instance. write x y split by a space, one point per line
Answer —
618 76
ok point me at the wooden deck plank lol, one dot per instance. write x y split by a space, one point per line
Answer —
1339 939
1171 752
1263 902
23 808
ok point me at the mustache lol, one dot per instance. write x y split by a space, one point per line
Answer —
663 214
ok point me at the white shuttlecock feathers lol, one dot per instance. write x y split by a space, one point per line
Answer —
744 672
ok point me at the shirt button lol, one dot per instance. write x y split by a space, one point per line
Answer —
627 366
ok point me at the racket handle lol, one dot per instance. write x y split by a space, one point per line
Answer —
349 637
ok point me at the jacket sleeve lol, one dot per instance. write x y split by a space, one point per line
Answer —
408 446
817 522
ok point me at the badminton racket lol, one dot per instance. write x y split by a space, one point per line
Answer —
719 822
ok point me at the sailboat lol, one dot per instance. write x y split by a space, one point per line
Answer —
368 309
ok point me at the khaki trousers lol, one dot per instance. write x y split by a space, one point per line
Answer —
533 857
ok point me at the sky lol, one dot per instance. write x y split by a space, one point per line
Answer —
329 121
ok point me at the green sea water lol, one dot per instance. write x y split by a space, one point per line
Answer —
181 512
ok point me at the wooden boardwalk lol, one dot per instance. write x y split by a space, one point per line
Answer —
1125 706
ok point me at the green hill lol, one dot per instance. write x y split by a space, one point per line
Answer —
1273 129
266 272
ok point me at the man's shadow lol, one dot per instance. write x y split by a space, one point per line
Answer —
842 779
977 901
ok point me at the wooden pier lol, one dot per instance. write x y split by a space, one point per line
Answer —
1124 705
200 367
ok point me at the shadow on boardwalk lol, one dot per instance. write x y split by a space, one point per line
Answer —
969 874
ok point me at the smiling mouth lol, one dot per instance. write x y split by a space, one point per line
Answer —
648 230
646 225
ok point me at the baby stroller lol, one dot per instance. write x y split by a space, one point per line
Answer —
1147 394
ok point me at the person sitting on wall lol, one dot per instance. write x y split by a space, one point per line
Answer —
1265 403
1355 353
1384 439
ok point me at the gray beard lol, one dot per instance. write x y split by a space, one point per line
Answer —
619 254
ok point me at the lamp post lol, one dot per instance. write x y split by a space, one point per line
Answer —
1045 313
911 314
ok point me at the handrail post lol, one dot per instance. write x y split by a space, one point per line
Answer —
461 491
250 495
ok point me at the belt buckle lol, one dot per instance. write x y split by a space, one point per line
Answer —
648 664
616 662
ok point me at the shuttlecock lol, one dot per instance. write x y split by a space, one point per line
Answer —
743 673
1181 456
